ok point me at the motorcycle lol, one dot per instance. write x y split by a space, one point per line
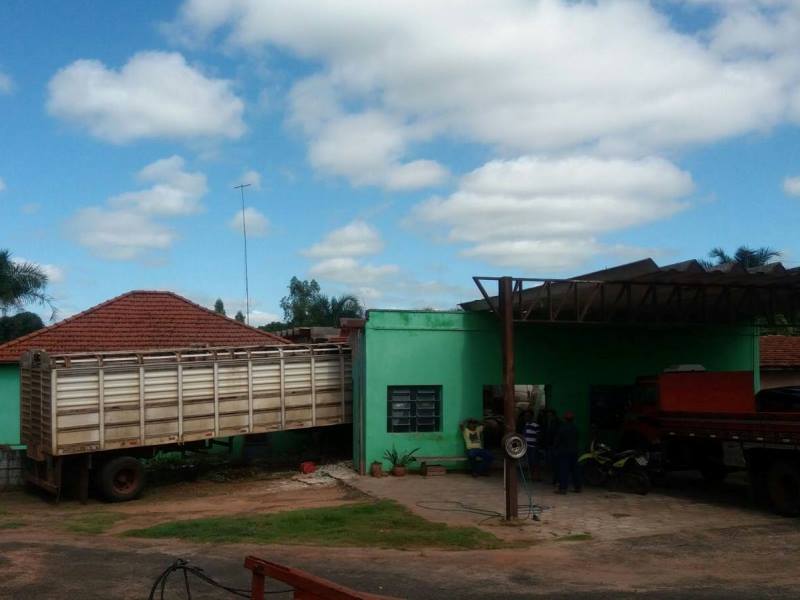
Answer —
626 470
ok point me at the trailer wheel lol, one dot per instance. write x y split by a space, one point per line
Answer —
783 484
121 479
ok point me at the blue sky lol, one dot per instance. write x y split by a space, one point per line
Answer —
395 149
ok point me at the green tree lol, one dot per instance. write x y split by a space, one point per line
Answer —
21 283
306 305
345 306
745 256
274 326
240 316
18 325
219 307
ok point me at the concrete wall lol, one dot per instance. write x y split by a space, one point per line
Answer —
9 405
461 352
11 462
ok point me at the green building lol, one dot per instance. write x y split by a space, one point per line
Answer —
449 363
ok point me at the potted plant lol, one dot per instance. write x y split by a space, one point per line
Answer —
399 461
376 468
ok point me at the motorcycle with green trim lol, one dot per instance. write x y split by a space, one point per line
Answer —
624 471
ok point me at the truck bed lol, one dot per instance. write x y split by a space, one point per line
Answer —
75 404
758 427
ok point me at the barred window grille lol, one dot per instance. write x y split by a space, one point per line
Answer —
414 409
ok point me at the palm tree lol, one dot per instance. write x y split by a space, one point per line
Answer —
21 283
343 306
744 256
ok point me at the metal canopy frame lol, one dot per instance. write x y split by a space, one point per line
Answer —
637 293
775 303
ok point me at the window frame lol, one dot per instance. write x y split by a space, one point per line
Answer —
413 416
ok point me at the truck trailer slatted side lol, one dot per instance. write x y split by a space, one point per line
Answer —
115 402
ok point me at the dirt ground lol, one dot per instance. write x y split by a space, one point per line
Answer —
740 553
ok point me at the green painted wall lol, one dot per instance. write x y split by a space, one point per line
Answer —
461 352
9 405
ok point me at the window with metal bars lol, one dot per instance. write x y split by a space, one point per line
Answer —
414 409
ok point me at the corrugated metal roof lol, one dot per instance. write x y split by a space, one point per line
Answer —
739 291
139 320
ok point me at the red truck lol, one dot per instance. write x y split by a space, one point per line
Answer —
712 422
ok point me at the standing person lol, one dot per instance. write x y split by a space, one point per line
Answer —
531 432
566 449
480 459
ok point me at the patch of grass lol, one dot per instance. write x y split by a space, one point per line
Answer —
382 524
11 524
575 537
93 523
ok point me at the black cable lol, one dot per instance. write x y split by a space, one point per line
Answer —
187 569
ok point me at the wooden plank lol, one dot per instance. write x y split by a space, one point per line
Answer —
142 436
249 393
313 390
101 409
53 421
180 402
216 399
283 390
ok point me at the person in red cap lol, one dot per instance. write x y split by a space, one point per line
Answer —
566 449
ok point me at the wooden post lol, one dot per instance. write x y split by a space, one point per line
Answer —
506 310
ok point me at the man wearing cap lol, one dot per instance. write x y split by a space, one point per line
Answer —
566 449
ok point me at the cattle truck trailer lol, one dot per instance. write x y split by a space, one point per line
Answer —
101 412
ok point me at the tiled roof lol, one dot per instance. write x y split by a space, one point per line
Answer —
139 320
780 351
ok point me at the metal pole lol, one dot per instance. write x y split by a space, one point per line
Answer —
506 310
244 233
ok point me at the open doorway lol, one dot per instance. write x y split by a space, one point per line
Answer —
526 396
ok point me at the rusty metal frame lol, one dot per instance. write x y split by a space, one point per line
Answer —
684 302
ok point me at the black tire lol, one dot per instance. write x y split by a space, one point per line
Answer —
121 479
635 481
783 487
593 473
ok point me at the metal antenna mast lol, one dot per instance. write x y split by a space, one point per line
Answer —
241 187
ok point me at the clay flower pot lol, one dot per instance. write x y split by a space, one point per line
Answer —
399 471
376 469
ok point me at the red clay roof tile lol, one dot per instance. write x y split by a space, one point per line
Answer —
139 320
779 351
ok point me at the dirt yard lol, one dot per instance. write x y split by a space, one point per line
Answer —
687 542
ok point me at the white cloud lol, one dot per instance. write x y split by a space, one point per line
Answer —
791 185
354 239
367 148
6 84
340 260
129 226
251 178
257 224
260 317
523 76
55 274
349 271
547 213
174 190
118 234
154 95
